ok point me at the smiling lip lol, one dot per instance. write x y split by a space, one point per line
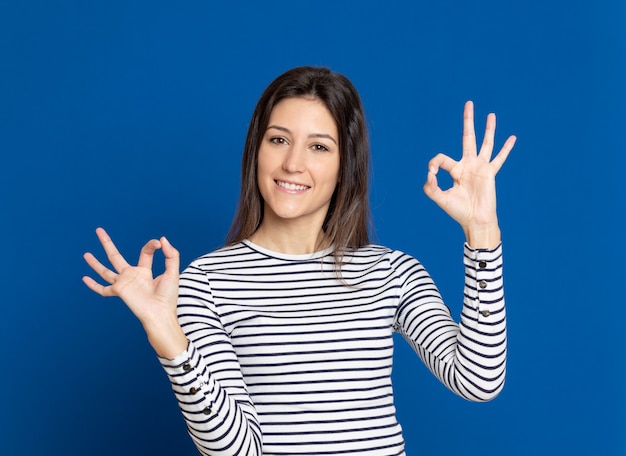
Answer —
291 187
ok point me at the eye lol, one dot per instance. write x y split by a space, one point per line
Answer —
277 140
320 148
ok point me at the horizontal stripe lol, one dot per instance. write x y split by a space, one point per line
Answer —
284 358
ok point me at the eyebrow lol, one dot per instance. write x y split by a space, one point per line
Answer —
312 135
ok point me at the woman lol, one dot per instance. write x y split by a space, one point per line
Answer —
280 343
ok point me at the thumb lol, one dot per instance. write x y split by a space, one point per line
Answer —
431 187
172 257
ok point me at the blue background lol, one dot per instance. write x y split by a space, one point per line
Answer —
132 115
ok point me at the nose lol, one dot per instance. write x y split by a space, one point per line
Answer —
294 160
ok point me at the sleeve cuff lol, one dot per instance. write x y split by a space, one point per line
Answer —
194 389
484 294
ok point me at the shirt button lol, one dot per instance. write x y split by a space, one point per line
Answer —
193 390
207 410
482 284
485 313
186 367
482 264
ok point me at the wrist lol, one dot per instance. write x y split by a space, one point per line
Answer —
483 236
166 337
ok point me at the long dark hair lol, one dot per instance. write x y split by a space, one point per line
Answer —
348 218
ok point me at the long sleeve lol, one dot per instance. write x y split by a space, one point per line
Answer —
279 344
469 357
207 378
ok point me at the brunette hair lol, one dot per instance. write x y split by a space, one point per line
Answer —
346 223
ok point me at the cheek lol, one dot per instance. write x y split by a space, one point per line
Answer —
334 172
263 166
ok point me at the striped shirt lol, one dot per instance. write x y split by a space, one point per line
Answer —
286 358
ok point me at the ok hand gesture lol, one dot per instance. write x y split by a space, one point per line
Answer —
471 201
152 300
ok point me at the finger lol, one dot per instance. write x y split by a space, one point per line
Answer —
99 268
146 256
441 161
434 192
490 131
469 136
114 256
431 187
499 159
172 257
96 287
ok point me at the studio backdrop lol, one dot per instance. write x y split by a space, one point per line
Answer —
132 115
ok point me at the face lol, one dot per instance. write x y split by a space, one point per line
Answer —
298 162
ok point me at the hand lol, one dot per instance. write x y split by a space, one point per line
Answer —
152 300
471 201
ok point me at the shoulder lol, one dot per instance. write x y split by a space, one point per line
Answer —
381 250
221 257
379 254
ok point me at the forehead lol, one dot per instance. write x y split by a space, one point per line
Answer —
303 111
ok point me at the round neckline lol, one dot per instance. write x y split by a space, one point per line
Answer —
288 256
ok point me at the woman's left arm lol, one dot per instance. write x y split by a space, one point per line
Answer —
469 357
471 200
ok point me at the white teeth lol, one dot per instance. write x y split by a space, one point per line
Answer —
288 186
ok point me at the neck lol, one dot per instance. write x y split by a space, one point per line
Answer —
286 238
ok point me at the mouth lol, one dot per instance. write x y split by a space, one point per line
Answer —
291 187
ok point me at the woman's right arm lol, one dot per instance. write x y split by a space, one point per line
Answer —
191 343
207 379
